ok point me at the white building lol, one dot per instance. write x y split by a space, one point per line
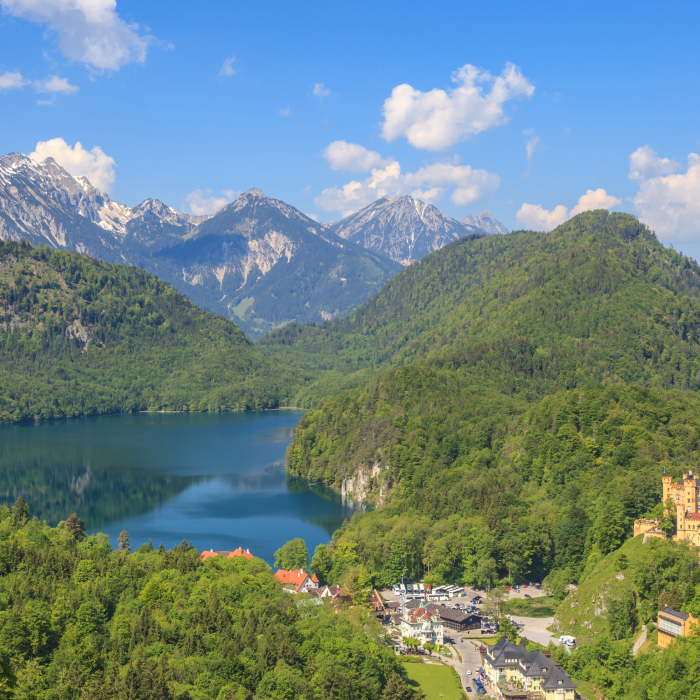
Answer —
422 624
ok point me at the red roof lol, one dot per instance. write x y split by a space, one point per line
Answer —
240 552
296 578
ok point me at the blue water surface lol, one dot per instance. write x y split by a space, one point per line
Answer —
216 480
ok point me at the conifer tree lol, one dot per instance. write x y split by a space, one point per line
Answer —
161 549
124 544
75 527
20 512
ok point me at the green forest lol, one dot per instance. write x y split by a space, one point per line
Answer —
81 620
81 337
553 378
505 407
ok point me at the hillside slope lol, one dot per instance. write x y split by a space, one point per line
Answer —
600 288
259 261
80 337
264 263
508 447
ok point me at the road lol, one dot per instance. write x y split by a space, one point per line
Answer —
471 660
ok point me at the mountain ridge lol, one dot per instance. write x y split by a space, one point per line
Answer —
43 203
403 228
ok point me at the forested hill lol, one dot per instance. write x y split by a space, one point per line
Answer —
559 375
80 620
80 337
600 288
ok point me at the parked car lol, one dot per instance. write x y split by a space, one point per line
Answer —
527 596
469 673
469 690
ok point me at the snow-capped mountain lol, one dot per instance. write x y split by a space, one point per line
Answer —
259 261
486 222
40 200
267 263
402 228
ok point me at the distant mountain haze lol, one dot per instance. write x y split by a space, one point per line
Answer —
486 222
266 264
404 228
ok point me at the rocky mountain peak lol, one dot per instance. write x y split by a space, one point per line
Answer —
485 221
402 228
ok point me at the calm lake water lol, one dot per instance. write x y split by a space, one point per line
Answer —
217 480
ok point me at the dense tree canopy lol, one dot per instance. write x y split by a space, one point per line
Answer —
82 337
79 620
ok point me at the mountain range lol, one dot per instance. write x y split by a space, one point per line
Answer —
258 260
402 228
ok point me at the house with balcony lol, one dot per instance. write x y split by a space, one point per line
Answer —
514 670
422 624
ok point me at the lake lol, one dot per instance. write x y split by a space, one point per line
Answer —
216 480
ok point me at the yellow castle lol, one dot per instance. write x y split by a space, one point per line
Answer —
686 496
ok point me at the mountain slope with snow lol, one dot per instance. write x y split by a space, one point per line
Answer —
486 222
402 228
258 261
266 263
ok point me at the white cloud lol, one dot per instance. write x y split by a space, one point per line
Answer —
438 119
94 164
227 69
55 84
428 184
645 164
595 199
321 91
89 31
531 147
351 157
202 202
535 216
286 112
669 204
11 81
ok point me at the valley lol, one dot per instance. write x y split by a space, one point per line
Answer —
497 410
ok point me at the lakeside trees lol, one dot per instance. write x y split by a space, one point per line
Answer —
82 337
79 620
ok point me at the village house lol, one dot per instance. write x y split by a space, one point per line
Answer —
672 624
297 581
422 624
512 668
240 552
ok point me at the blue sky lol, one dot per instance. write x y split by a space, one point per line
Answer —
312 102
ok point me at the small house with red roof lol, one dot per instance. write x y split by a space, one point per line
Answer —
297 581
422 624
240 552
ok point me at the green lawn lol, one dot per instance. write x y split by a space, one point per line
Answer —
434 680
545 606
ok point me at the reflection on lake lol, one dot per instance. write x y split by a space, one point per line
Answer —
217 480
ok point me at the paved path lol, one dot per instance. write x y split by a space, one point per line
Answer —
471 660
642 638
